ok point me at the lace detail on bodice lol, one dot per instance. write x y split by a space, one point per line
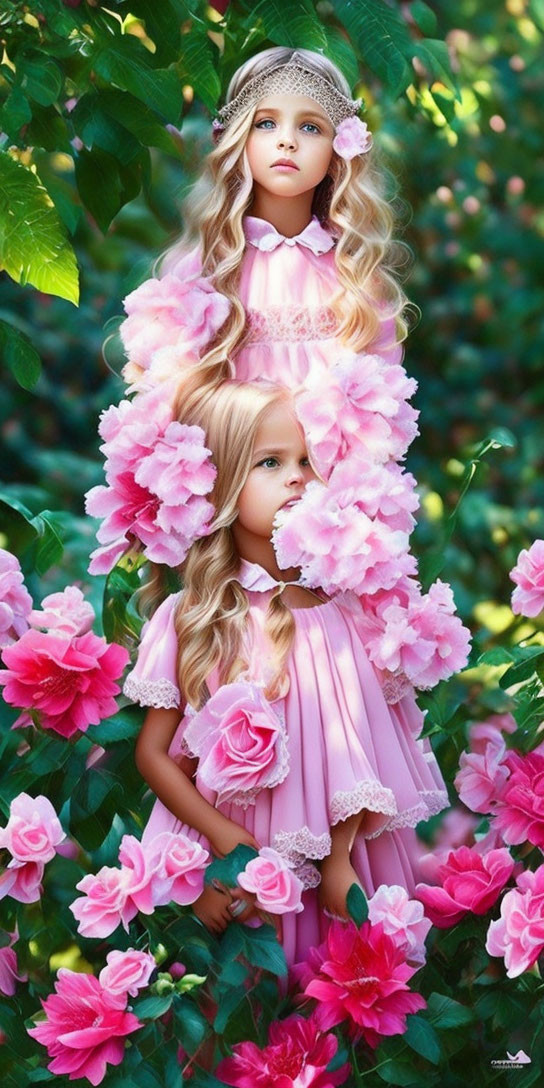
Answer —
395 685
368 794
291 323
160 694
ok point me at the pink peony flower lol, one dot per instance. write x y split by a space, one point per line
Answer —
528 574
360 975
518 935
490 731
33 830
105 904
470 882
171 315
385 492
481 777
66 613
70 682
157 473
240 741
8 968
273 882
126 973
22 882
352 138
15 600
519 812
402 918
84 1029
296 1056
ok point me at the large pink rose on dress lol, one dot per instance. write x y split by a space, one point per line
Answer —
69 682
528 574
518 935
270 878
296 1056
15 600
239 737
469 882
519 812
84 1030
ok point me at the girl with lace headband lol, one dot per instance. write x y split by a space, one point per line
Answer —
267 724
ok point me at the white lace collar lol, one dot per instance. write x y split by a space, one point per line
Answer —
264 236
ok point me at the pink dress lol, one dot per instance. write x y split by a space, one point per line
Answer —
348 751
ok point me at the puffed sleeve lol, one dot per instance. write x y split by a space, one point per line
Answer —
153 680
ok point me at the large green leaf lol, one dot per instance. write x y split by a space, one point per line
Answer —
126 66
422 1037
34 247
380 33
298 26
197 65
22 359
39 77
99 184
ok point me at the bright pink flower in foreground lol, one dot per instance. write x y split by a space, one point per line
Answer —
402 918
528 574
8 968
481 777
70 682
519 813
15 600
33 830
518 935
296 1056
84 1030
361 975
66 613
470 882
240 741
273 882
126 973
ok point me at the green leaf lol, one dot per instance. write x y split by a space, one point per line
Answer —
97 127
137 118
197 65
262 949
301 28
120 619
149 1008
382 37
499 655
189 1024
524 668
394 1072
92 790
22 359
341 52
127 67
99 184
357 904
15 113
33 244
40 78
227 1006
226 869
422 1037
123 726
435 56
49 548
444 1012
424 16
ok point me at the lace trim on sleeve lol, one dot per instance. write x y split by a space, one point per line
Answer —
161 694
432 801
295 845
368 794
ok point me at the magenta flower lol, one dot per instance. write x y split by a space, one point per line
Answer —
296 1056
469 882
84 1030
270 878
352 138
402 918
360 975
518 935
481 777
126 973
240 741
66 613
519 812
528 574
15 600
69 682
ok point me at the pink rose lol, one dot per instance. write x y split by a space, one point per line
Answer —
528 574
70 682
85 1029
22 881
273 882
240 741
491 730
15 600
33 830
66 613
352 138
402 918
126 973
297 1055
105 904
469 882
481 777
8 968
183 863
519 812
518 935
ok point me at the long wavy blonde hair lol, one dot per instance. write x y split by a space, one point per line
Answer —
351 200
212 613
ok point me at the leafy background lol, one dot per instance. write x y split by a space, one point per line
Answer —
105 119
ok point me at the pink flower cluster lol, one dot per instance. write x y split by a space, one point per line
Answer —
166 869
170 320
469 881
32 834
240 740
157 474
518 935
528 574
87 1019
296 1056
15 600
271 879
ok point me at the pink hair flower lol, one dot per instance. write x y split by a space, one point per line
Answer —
352 138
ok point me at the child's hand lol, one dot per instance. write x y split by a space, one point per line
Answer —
337 876
228 836
212 907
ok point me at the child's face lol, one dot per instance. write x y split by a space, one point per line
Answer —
290 127
279 472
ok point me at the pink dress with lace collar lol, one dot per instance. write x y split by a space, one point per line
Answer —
347 750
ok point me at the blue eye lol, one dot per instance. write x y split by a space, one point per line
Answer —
268 462
310 125
267 121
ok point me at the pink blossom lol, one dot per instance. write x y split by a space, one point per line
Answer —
15 600
126 973
84 1029
456 829
33 830
402 918
8 968
240 740
157 473
70 682
273 882
22 882
490 731
352 138
518 935
360 975
66 613
528 574
385 492
176 862
469 882
296 1056
481 777
105 904
519 812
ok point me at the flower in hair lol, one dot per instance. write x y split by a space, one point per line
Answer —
352 138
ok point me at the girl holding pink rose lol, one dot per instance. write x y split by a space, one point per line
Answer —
267 722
